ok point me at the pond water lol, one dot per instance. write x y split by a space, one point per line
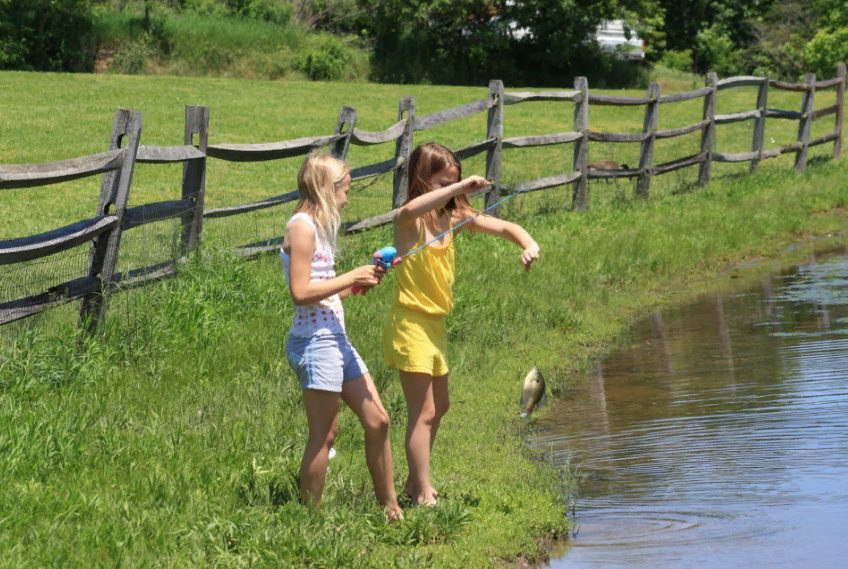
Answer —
719 437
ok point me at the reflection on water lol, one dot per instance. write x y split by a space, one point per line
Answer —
720 437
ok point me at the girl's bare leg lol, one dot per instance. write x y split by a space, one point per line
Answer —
322 409
361 396
427 402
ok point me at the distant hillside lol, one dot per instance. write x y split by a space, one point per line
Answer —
199 46
251 39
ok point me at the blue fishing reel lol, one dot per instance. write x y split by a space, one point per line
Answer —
385 258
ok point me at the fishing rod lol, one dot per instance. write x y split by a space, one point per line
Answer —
452 229
387 256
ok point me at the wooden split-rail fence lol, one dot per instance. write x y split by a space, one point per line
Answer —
112 219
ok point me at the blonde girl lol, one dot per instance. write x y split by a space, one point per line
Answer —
414 338
328 367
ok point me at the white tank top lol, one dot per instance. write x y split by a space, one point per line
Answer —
326 316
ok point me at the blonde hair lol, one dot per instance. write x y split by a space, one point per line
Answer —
317 182
426 161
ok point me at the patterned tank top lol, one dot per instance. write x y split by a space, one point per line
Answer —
326 316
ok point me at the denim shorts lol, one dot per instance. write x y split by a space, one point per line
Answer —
324 362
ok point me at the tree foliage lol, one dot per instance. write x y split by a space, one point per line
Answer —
523 42
797 36
707 27
783 37
46 35
830 44
542 42
780 36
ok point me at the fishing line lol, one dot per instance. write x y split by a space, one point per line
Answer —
360 185
479 213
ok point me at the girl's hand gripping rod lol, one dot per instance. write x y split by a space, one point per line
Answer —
385 257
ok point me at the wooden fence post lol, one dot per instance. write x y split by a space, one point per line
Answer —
114 191
403 149
347 118
805 122
581 146
708 134
649 127
494 129
194 177
840 110
760 123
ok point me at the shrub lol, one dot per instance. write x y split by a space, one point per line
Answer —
274 12
328 63
606 71
825 50
678 60
132 58
719 50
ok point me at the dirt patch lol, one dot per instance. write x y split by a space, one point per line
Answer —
755 260
521 561
838 211
103 60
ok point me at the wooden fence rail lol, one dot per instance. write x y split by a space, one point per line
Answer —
103 231
116 164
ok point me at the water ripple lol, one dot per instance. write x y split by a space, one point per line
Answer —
725 421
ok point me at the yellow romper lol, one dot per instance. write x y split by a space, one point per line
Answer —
415 338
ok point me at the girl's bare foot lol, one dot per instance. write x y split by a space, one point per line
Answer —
429 503
407 489
423 499
393 513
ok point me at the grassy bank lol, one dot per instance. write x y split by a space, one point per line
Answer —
208 46
174 439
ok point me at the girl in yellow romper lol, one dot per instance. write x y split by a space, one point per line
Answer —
414 338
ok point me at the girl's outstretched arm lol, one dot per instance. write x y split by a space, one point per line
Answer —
509 231
436 199
300 239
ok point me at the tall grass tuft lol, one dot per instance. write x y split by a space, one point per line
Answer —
430 526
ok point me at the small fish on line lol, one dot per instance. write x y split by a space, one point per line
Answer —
532 392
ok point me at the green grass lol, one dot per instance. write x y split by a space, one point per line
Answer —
209 46
174 439
56 116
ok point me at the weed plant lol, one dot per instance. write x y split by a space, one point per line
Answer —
175 438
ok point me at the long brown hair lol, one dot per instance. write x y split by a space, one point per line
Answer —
426 161
316 184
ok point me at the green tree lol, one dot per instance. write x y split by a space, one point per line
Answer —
781 35
726 20
834 13
829 46
797 36
46 35
470 41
